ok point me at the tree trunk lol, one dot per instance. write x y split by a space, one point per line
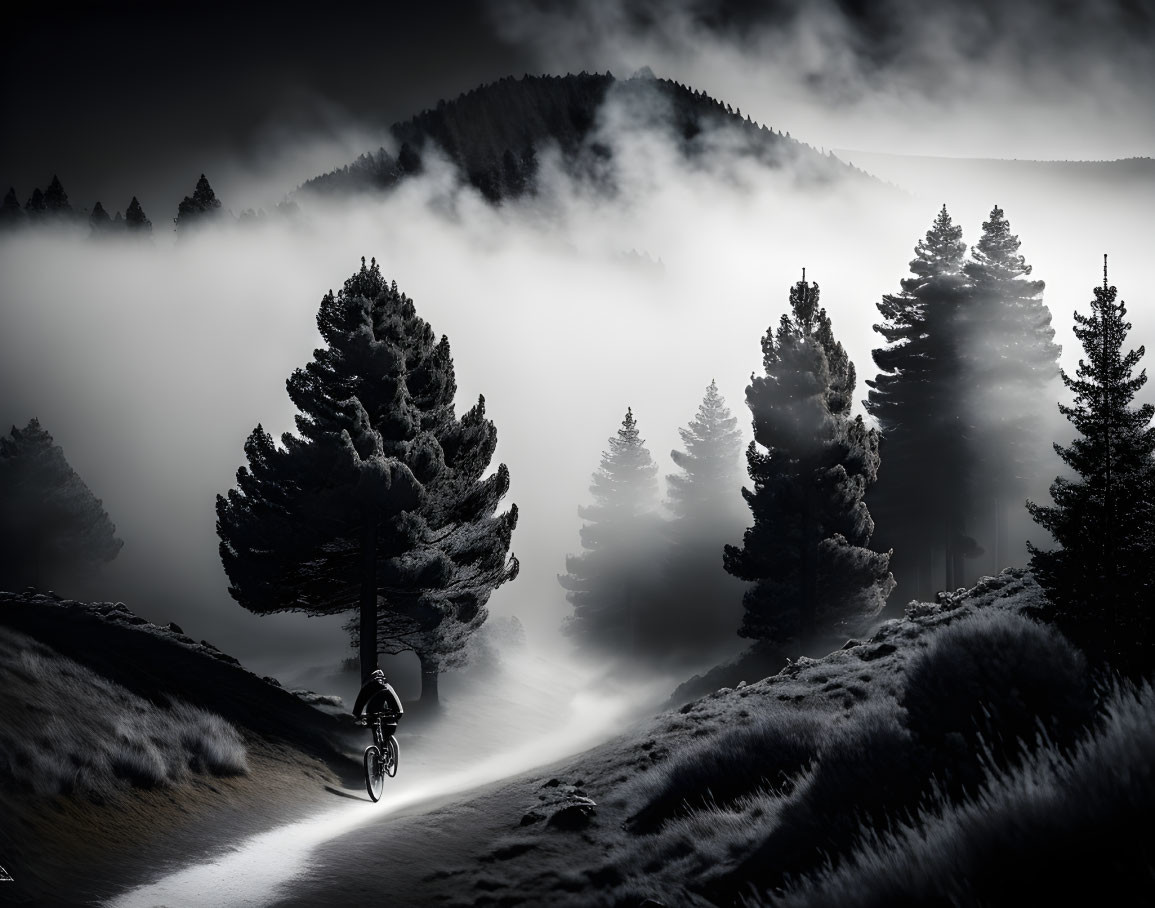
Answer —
369 597
430 668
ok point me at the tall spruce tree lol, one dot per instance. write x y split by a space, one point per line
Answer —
200 208
135 218
1100 581
53 530
380 499
11 214
807 552
1011 360
918 397
696 613
608 582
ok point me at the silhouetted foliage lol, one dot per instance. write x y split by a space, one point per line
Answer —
200 208
380 498
807 553
697 607
11 214
1011 359
135 218
1100 581
608 583
99 220
922 495
52 528
35 207
56 199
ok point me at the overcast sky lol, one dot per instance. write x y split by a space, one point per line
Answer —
140 97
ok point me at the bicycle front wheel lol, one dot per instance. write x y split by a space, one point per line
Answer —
374 772
392 755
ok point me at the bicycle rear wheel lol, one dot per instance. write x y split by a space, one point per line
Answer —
374 772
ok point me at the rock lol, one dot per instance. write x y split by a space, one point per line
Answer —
883 649
175 628
574 816
532 817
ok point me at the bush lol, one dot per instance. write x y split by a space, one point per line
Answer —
1062 828
984 691
863 780
766 755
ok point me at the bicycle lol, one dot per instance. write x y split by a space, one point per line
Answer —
382 756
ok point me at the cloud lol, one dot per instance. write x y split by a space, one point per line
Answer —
1045 79
150 364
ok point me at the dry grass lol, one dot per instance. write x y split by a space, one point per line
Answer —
67 730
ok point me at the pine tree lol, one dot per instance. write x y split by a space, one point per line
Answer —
1100 581
807 553
923 492
11 214
607 583
99 220
35 207
697 611
56 199
381 496
52 528
1011 359
135 219
200 208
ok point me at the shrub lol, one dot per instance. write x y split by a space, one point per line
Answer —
986 688
768 754
864 780
1062 827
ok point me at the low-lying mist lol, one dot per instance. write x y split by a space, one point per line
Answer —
151 363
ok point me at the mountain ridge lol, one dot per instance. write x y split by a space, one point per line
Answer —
494 133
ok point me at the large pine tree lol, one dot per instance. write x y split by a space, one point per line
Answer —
807 552
695 615
918 397
380 499
1011 360
1100 581
53 530
608 582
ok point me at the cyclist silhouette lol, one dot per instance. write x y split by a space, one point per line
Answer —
378 698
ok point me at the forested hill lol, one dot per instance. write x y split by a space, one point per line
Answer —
494 133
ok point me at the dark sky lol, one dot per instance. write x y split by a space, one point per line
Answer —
139 97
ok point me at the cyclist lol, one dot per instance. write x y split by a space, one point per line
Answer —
378 698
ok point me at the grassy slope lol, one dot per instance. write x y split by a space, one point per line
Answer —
789 784
126 745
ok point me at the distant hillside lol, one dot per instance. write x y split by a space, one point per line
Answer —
1131 179
494 133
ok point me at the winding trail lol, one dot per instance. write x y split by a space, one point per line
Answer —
559 717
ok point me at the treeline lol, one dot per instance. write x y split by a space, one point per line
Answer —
838 511
51 206
493 134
